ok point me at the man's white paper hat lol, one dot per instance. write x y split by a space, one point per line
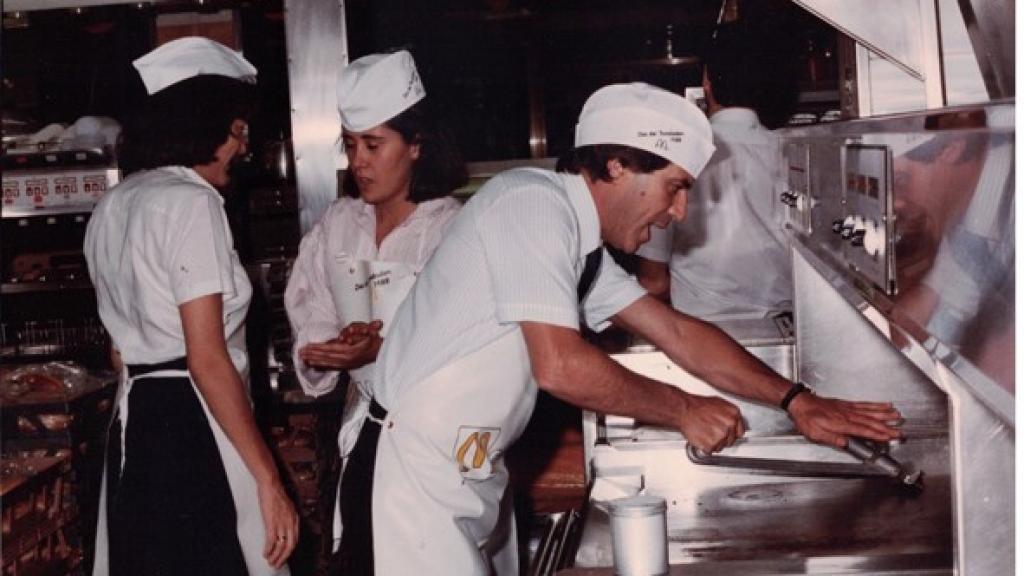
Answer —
648 118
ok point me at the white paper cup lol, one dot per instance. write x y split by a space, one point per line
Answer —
639 536
350 289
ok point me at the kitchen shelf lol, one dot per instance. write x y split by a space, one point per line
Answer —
27 212
53 286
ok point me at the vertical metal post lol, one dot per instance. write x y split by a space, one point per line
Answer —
317 45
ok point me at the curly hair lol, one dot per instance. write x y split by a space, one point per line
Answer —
184 124
440 168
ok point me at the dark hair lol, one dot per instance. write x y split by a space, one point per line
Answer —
440 168
185 123
594 160
753 69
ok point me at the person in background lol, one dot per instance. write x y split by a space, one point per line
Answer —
730 259
496 314
403 167
190 485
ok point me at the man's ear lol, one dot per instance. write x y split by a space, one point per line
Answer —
615 169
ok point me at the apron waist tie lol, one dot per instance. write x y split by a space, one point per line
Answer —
136 370
377 413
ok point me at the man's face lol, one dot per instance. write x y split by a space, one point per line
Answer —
641 200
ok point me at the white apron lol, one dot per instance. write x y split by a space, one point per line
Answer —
440 504
243 487
389 285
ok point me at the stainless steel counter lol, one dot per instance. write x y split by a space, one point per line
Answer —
728 521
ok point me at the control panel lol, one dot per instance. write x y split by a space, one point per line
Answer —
36 192
865 227
796 197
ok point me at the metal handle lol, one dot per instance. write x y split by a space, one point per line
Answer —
875 463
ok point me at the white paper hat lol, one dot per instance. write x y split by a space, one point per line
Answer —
648 118
376 88
191 56
901 144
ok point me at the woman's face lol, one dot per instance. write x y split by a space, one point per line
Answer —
218 172
381 164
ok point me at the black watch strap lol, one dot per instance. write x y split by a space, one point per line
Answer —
793 392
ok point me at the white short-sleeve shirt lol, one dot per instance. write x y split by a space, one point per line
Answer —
514 253
157 240
350 226
730 258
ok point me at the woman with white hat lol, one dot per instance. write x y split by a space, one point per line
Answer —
402 167
190 486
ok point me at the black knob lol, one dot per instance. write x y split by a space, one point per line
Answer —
837 226
857 238
788 198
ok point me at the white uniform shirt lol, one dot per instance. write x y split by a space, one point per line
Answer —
350 226
729 258
515 253
155 241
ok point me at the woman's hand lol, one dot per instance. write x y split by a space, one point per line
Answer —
356 345
280 522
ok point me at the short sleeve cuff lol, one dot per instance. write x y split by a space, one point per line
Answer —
558 316
599 317
187 293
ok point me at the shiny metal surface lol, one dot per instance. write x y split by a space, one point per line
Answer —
922 54
842 338
724 521
951 226
991 27
317 47
899 61
785 520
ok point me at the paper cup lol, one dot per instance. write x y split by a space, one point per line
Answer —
350 288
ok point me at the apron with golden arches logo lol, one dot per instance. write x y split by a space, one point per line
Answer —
440 484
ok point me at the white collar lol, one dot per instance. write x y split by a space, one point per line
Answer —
735 116
191 174
582 203
367 213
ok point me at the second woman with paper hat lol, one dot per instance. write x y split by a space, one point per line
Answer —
357 264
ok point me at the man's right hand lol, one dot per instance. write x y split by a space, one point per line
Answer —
711 423
355 346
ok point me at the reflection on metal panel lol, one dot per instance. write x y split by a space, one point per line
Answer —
946 238
316 38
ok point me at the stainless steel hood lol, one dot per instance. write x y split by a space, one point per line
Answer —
923 53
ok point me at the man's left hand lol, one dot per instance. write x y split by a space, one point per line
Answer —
831 421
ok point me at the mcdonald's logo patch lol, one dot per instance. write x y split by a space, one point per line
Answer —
472 446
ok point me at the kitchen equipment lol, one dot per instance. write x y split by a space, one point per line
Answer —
903 292
876 462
